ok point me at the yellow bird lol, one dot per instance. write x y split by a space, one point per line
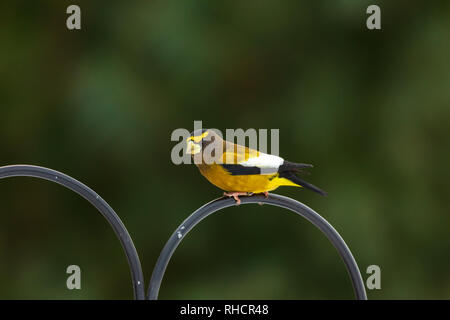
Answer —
239 170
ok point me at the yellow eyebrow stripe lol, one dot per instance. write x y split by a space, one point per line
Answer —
197 139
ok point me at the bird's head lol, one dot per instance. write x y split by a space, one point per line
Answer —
199 139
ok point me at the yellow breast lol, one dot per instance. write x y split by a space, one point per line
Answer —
219 177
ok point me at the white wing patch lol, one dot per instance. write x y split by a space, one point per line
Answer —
264 160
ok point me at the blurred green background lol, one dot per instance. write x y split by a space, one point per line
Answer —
370 109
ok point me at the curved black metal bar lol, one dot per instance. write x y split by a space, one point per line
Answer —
101 205
273 199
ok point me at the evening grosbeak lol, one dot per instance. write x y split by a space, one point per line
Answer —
239 170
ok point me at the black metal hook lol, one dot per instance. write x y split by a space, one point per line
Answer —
275 200
168 250
101 205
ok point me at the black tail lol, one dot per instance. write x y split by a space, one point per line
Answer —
291 166
288 169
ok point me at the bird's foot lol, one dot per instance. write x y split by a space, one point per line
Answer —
236 195
266 194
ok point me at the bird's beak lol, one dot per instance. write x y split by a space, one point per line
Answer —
192 148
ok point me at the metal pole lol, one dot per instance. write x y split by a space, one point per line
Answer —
100 204
275 200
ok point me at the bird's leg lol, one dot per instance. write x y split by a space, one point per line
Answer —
266 194
235 195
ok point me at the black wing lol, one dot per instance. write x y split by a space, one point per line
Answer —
240 170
